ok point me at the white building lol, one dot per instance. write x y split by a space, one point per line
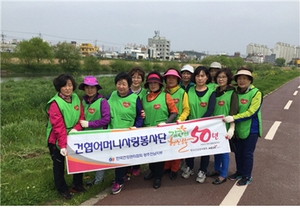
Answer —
162 46
254 48
286 51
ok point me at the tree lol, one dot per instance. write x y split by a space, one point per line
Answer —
280 62
68 56
91 63
33 50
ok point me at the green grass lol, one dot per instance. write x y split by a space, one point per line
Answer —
26 165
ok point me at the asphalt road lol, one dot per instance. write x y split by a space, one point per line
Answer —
275 175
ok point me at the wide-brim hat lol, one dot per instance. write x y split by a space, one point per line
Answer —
188 68
91 81
243 72
153 78
173 72
215 65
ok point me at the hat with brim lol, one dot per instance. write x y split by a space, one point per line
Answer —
153 78
172 72
188 68
242 72
91 81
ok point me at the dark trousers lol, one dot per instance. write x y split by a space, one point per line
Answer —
157 169
119 174
59 170
244 154
204 161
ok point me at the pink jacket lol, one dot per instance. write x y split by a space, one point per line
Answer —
58 125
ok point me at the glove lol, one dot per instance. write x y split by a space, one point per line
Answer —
178 121
143 114
73 130
228 119
84 123
132 127
230 133
63 151
161 124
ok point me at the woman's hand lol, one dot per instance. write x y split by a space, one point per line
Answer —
84 123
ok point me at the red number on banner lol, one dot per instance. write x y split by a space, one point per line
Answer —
202 134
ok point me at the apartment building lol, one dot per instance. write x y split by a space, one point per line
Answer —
162 46
87 48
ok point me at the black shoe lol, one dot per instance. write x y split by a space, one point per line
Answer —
149 176
213 173
78 189
167 171
235 176
173 175
218 181
90 183
66 194
157 183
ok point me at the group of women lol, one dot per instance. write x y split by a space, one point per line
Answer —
187 95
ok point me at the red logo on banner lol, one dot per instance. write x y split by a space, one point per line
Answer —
76 107
126 105
244 101
92 110
222 102
157 106
203 104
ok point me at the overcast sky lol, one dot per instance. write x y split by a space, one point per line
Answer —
210 26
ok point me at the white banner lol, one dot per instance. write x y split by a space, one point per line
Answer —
112 148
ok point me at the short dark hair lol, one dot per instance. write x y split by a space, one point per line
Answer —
227 72
123 75
198 70
61 81
138 70
146 85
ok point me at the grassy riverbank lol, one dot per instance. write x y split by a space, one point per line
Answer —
26 166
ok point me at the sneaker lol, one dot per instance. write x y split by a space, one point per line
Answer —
66 194
235 176
244 181
187 172
182 165
136 172
116 188
78 189
127 177
201 177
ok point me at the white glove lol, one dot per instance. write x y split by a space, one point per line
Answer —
132 127
63 151
228 119
84 123
178 121
161 124
230 133
73 130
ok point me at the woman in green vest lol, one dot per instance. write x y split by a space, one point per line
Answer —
125 112
202 100
172 78
97 113
138 75
159 109
226 104
213 69
64 111
247 125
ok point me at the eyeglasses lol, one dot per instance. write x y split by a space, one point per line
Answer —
224 77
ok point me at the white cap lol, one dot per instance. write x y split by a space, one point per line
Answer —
187 68
215 65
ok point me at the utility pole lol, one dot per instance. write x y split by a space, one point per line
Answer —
2 37
40 35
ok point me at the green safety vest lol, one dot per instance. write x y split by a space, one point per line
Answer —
92 112
242 129
156 111
222 106
198 105
212 86
70 112
178 99
122 110
142 93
